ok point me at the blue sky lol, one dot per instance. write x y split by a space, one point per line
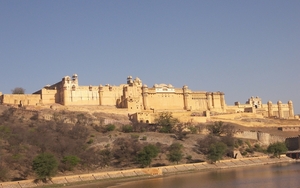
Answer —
243 48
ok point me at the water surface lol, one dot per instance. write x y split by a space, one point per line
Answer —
275 176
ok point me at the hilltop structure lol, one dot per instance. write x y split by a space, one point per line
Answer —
142 101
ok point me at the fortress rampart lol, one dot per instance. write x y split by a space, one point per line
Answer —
143 100
264 138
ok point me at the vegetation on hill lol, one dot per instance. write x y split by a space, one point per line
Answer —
18 90
277 149
72 142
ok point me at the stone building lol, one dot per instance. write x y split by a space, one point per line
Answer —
133 95
143 100
255 105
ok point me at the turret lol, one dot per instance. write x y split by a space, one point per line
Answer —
185 97
270 109
129 80
291 109
280 113
222 97
75 79
209 100
145 96
100 89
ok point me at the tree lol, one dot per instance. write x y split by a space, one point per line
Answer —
125 150
216 128
167 121
45 166
18 90
277 149
203 145
180 132
216 151
219 128
175 152
146 155
70 161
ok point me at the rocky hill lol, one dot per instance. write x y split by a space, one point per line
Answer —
104 139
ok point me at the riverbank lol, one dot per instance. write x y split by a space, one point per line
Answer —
132 174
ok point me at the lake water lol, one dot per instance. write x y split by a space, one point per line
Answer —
274 176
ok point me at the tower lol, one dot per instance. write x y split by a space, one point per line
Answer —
100 94
209 100
185 97
291 109
280 113
145 96
270 109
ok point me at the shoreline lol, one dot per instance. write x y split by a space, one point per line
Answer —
113 177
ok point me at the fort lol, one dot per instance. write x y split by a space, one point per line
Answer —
143 102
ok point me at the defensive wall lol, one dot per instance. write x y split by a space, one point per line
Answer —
264 138
137 97
149 172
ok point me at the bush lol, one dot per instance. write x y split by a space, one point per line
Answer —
204 144
165 129
277 149
135 136
110 127
45 166
189 158
193 130
249 150
70 162
146 155
175 152
90 141
228 140
248 144
219 128
240 142
167 121
216 151
258 148
127 128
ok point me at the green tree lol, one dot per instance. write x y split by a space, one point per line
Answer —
175 152
167 121
18 90
45 166
146 155
203 144
216 128
277 149
219 128
70 162
216 151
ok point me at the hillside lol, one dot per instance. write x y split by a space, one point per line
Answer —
88 134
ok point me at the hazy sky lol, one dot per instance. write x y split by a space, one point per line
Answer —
243 48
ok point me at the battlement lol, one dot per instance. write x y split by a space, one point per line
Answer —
136 97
